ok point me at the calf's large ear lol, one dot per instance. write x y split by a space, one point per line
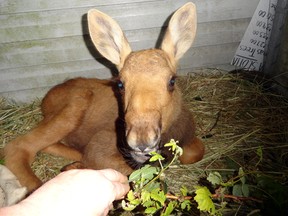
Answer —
180 32
108 37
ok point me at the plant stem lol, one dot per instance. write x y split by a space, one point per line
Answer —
162 170
161 165
235 197
170 196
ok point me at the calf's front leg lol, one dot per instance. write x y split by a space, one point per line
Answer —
20 153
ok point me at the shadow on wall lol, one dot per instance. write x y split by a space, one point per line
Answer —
93 51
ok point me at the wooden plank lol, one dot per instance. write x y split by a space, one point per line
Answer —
53 24
48 80
25 96
71 22
49 75
28 95
69 49
208 56
78 68
20 6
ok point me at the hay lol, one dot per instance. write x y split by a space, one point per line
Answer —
17 119
235 118
233 113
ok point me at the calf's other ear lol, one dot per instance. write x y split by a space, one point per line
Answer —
180 32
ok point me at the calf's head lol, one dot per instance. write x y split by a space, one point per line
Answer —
146 79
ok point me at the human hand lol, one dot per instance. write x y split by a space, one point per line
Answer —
77 192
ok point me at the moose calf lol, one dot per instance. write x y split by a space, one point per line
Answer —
115 123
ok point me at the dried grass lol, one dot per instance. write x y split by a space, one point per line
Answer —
235 117
17 119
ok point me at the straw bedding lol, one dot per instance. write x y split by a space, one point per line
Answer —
236 118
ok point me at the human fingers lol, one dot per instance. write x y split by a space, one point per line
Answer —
114 176
119 181
120 190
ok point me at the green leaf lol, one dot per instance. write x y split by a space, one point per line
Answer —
177 150
169 209
127 206
135 202
146 172
172 144
150 210
158 195
203 198
132 199
237 190
2 161
241 190
155 157
186 204
145 195
130 195
215 178
245 190
148 203
241 173
152 185
136 175
149 172
259 152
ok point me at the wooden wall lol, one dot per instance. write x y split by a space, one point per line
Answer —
45 42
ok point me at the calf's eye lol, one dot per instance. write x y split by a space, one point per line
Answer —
171 83
120 85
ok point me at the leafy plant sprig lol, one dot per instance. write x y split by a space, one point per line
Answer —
148 189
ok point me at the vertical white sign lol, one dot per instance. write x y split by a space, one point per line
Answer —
251 51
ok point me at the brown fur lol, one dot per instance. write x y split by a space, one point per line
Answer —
100 126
